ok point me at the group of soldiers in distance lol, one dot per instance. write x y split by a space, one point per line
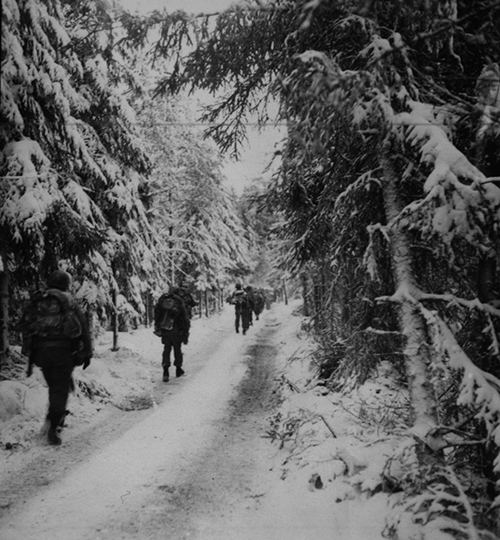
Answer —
247 302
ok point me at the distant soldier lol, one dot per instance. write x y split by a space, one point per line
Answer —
172 325
248 309
240 301
259 302
270 297
56 339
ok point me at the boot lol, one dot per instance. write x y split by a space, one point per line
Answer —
53 437
165 374
62 422
179 372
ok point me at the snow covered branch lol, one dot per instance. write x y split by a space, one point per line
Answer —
469 304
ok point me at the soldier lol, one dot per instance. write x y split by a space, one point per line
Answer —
56 339
250 304
259 303
172 325
240 301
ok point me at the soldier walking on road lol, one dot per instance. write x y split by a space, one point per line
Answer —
249 307
56 339
172 325
259 303
240 301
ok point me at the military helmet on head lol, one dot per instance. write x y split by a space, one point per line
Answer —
59 279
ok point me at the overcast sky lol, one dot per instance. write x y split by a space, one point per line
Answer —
191 6
261 144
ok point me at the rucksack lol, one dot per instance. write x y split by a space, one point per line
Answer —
170 304
50 315
240 298
170 309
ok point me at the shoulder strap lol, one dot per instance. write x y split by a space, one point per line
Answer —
63 297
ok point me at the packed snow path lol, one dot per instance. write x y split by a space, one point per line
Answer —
182 470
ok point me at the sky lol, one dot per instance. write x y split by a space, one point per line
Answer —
262 143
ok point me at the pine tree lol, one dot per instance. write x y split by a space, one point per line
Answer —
72 166
199 235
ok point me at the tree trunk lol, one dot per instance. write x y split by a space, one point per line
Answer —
4 315
285 294
412 324
305 293
114 320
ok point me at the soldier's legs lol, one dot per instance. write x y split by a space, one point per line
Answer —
59 382
56 364
178 358
165 362
237 317
177 354
166 354
245 321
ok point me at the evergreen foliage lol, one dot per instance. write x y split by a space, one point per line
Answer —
72 164
76 163
195 218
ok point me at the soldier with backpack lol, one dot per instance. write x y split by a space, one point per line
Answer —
249 308
172 325
259 303
56 339
240 301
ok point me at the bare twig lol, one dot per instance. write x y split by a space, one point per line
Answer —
328 426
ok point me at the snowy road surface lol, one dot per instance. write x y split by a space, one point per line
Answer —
189 468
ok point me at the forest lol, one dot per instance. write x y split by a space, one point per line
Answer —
384 211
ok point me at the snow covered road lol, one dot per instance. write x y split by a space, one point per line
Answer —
181 464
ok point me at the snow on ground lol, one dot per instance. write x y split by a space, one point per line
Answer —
323 474
333 453
124 469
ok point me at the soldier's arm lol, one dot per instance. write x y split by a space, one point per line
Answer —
86 336
184 315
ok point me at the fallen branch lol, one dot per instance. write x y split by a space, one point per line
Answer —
328 426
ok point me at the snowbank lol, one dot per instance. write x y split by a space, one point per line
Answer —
125 379
337 452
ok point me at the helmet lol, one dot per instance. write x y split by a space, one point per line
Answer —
59 279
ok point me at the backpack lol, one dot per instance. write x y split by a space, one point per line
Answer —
240 298
170 309
170 304
50 315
